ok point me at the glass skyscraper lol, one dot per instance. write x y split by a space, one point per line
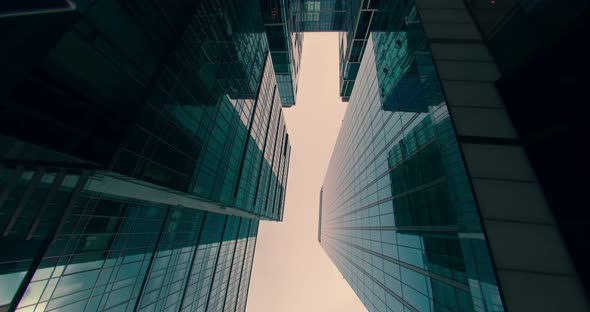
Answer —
141 142
110 254
440 194
398 217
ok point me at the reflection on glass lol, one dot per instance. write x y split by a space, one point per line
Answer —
187 99
398 215
126 256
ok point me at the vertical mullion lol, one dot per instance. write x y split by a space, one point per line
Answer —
145 278
216 262
242 270
248 136
272 164
264 145
73 197
232 263
49 240
56 184
280 166
24 199
190 269
249 277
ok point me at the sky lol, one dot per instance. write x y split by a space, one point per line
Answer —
291 271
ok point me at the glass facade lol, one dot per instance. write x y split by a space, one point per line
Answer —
320 15
192 104
353 41
285 41
140 145
76 250
141 142
353 20
364 17
397 213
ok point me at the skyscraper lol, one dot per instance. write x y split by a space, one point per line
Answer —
142 141
439 197
140 145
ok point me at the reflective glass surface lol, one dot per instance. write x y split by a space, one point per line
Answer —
213 118
320 15
75 250
174 94
179 96
398 217
284 42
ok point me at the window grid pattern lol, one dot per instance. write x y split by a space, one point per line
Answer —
321 15
223 266
199 282
166 279
173 86
117 255
204 104
398 216
187 99
247 268
236 267
99 259
266 173
256 173
284 41
32 202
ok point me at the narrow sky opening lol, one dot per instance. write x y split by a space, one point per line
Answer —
291 272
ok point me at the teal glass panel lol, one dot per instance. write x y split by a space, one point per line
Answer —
398 216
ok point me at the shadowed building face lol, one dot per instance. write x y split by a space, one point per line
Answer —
140 145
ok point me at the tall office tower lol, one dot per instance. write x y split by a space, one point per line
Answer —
140 144
430 202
